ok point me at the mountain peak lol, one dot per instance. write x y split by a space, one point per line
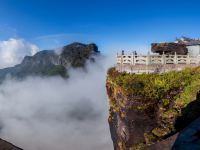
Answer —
48 62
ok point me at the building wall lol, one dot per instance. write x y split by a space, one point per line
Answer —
194 49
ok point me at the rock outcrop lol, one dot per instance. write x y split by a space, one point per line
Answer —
169 48
7 146
165 144
147 111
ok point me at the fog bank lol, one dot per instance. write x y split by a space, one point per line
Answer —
57 114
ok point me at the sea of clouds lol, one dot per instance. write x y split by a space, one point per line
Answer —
54 113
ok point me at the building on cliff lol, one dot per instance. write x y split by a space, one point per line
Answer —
182 53
192 45
181 46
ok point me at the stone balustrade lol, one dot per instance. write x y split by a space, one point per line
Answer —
157 59
155 63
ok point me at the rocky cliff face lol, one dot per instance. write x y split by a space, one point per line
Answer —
149 109
49 62
7 146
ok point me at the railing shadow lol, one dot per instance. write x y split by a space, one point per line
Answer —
189 137
189 114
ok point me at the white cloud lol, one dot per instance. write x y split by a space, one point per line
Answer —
57 36
13 51
57 114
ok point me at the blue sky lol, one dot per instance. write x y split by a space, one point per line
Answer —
111 24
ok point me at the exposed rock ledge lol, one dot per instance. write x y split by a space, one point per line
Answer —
148 110
169 48
7 146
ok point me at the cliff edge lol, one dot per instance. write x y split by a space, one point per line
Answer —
149 110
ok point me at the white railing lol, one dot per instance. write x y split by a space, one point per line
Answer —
133 59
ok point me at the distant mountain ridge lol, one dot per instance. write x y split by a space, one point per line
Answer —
50 62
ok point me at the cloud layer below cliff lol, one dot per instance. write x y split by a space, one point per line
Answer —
57 114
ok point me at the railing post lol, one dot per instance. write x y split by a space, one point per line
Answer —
175 58
198 57
188 59
148 59
122 61
163 58
132 58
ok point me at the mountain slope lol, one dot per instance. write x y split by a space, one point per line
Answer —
50 62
